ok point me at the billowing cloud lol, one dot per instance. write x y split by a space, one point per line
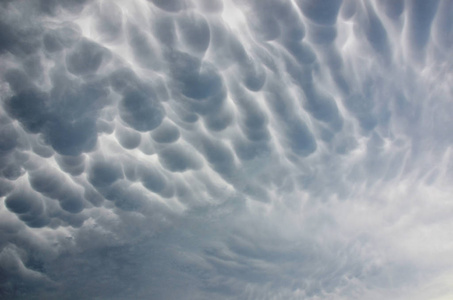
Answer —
226 149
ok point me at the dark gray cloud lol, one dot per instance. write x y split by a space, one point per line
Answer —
141 110
227 149
166 133
193 31
324 13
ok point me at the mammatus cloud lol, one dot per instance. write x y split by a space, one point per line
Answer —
235 149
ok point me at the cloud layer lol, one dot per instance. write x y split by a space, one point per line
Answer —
235 149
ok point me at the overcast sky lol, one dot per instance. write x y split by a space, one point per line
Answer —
226 149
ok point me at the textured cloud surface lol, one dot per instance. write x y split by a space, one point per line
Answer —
226 149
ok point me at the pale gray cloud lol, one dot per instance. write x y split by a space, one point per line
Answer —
228 149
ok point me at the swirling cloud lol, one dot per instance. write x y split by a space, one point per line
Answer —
226 149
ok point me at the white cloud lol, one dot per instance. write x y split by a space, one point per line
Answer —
233 149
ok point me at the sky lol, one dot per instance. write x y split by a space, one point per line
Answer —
226 149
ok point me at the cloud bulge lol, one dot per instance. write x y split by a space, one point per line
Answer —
226 149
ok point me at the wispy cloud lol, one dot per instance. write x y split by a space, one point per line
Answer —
228 149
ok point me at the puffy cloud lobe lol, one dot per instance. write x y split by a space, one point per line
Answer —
30 108
20 203
85 57
71 138
129 139
18 40
122 79
194 32
241 149
155 181
205 84
178 159
322 106
376 33
8 137
110 22
218 155
253 120
103 174
66 117
421 15
254 75
296 133
29 208
165 30
53 185
145 53
141 110
166 133
394 9
170 6
74 165
324 13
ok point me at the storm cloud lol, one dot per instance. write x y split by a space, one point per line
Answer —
226 149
